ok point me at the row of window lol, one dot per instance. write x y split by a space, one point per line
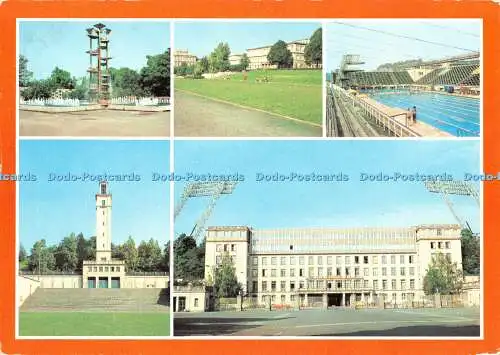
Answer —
339 260
293 298
225 247
440 245
332 285
104 268
338 271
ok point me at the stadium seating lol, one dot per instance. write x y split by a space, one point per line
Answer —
472 80
379 78
84 299
453 75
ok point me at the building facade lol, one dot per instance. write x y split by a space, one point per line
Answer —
235 59
333 267
184 57
258 56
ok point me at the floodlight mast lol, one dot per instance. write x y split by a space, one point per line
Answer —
454 187
213 190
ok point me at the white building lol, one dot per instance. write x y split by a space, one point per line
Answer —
332 267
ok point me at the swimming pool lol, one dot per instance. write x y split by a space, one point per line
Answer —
456 115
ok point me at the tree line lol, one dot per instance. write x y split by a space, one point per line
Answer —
279 55
151 80
69 254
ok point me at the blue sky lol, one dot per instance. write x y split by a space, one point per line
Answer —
48 44
378 48
53 210
338 204
200 38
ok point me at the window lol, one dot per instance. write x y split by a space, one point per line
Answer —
320 272
403 285
263 299
366 284
320 260
448 256
233 247
375 284
254 286
384 284
103 203
339 284
439 232
375 259
226 247
357 284
346 271
393 284
403 271
301 272
440 245
264 272
283 299
255 261
264 286
291 247
292 285
310 260
401 259
117 269
412 271
301 284
283 260
273 272
393 271
375 272
433 245
411 259
311 272
356 271
366 271
394 297
393 259
264 261
255 273
338 272
274 260
218 259
283 285
106 269
283 272
384 271
347 284
448 245
384 259
100 268
292 260
196 302
365 260
348 260
356 260
292 298
90 268
329 260
329 271
412 284
301 260
338 260
273 298
292 272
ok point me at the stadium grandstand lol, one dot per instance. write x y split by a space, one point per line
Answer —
406 98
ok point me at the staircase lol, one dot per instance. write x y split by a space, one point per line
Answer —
84 299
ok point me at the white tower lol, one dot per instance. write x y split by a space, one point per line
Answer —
103 223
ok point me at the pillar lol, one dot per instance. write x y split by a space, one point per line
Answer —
109 282
306 301
343 299
239 303
437 300
325 301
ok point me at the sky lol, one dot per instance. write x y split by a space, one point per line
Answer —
353 203
200 38
52 210
375 48
48 44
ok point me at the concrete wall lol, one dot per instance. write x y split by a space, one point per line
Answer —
145 282
60 281
25 287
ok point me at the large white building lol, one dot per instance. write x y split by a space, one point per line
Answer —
332 267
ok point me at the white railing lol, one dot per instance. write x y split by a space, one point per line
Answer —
51 102
140 101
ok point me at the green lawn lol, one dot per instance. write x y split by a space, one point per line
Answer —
93 324
294 93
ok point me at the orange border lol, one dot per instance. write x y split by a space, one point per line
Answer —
489 11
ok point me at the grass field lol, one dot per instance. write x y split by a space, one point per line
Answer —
93 324
294 93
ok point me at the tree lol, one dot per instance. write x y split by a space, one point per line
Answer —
313 53
85 250
25 76
204 64
22 254
280 55
218 61
126 82
41 258
442 276
244 61
149 255
189 259
225 281
62 79
471 253
39 89
155 76
129 252
66 254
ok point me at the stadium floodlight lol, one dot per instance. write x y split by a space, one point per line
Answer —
453 187
213 190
